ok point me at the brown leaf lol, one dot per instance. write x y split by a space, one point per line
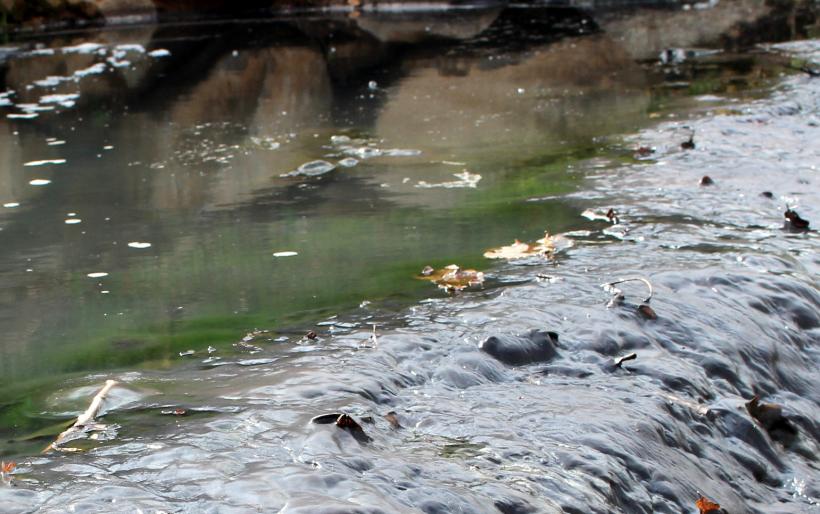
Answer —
771 418
647 311
706 180
311 335
345 422
643 151
688 144
393 419
517 250
795 221
547 246
612 216
452 278
706 506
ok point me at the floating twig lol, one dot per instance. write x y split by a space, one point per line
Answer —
84 419
620 360
611 286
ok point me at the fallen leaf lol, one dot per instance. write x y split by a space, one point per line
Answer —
706 506
644 151
547 246
7 467
311 335
612 216
393 419
346 422
688 144
647 311
795 221
452 278
706 180
517 250
770 416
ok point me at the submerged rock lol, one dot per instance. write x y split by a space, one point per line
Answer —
534 346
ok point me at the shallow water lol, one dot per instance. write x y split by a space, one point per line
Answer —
199 141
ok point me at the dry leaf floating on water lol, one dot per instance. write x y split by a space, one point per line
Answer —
452 278
393 419
795 221
647 311
547 246
706 506
771 418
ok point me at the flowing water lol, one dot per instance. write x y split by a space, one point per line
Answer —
183 203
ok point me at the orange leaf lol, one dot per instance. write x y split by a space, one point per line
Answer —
706 506
7 467
452 278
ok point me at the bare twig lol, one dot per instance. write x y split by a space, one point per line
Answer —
83 419
620 361
632 279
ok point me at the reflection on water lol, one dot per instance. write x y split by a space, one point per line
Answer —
146 175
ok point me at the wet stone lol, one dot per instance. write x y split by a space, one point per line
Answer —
534 346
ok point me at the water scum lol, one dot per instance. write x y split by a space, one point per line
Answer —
532 396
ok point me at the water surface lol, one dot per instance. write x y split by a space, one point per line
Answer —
145 206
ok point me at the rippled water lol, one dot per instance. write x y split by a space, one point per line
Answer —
209 419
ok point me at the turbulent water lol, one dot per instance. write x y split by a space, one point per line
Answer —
468 405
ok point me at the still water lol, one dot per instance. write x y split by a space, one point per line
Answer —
183 203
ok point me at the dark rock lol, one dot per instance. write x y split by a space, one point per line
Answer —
534 346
